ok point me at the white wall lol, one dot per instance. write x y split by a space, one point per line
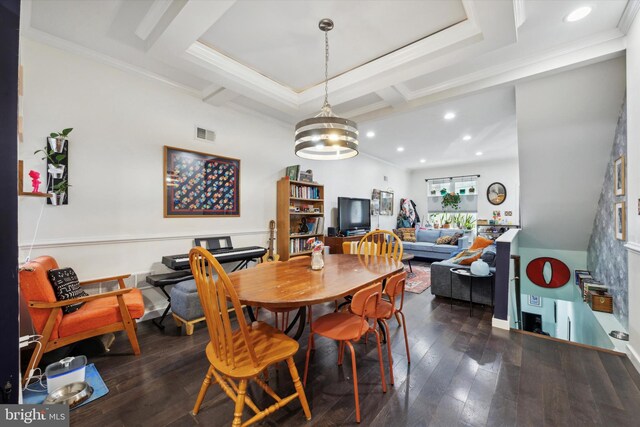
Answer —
633 188
504 171
114 221
566 127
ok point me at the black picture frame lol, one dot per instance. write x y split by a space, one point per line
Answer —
496 193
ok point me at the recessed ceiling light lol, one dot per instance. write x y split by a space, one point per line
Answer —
422 160
450 116
578 14
371 134
466 137
479 153
400 148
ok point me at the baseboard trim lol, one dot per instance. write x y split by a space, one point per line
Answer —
577 344
633 357
500 323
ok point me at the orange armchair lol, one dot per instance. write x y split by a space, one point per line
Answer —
101 314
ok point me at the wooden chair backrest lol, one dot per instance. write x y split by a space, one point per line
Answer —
365 302
213 297
394 287
352 248
381 243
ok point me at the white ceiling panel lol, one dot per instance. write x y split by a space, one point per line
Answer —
281 39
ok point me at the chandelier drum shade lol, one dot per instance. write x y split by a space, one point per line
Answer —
325 136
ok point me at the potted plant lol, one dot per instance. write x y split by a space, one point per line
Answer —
472 190
462 191
433 192
55 168
59 192
451 200
447 223
57 140
443 191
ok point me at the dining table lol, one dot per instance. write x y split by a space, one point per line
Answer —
293 284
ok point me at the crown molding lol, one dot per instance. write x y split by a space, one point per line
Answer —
628 16
68 46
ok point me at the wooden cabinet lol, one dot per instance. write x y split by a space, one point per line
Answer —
298 203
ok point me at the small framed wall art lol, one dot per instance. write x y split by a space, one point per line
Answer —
200 184
618 176
620 221
535 301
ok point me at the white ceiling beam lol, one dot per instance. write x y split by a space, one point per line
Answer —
519 13
152 18
220 97
193 20
391 96
628 16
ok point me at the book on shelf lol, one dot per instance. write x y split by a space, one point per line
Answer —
304 192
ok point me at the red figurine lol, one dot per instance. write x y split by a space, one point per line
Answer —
35 182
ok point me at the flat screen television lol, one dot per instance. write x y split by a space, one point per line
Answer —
354 214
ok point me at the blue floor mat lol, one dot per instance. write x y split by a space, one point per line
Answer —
38 392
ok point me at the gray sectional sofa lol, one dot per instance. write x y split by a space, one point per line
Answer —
441 280
426 247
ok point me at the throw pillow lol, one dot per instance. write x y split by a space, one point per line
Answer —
467 256
66 286
444 240
408 234
481 243
489 255
454 239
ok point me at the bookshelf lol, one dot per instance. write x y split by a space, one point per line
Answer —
298 200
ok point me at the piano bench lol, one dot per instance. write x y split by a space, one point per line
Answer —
185 305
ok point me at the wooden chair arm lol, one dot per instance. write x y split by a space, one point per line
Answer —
43 304
120 280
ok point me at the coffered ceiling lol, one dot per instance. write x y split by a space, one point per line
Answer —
387 57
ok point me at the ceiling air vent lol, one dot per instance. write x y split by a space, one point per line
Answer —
205 134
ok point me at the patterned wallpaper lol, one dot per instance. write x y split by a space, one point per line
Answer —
607 256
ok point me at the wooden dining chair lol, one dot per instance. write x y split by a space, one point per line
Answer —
348 327
381 243
240 354
351 248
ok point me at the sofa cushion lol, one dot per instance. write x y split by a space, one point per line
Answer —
418 246
445 249
455 238
429 236
101 312
489 255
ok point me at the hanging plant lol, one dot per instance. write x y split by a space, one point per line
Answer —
451 200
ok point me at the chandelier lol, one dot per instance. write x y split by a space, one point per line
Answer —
325 136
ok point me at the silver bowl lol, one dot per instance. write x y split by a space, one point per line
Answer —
71 394
620 335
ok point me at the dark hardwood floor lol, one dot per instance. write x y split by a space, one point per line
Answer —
463 372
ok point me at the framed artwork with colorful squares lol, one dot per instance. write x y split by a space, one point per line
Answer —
200 184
